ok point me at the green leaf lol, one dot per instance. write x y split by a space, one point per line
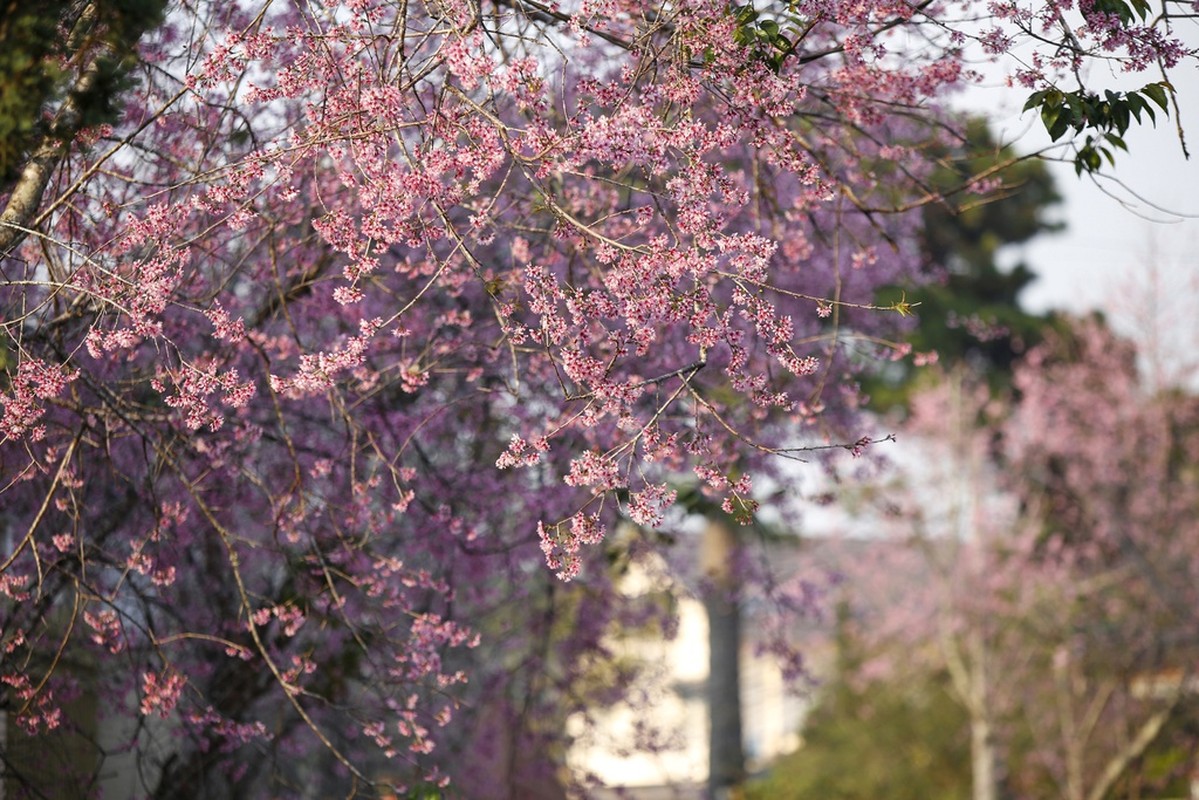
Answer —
1088 111
1060 125
1138 104
745 15
1157 93
1121 117
1089 159
1049 115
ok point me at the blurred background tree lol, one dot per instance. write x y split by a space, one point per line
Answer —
970 314
868 738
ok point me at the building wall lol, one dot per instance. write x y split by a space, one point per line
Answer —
663 742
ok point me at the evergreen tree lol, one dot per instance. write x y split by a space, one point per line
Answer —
971 314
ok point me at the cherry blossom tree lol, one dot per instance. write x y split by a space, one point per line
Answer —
1058 566
1119 526
352 316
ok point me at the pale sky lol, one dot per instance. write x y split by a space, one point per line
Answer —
1112 235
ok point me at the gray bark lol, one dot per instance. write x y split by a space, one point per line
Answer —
725 751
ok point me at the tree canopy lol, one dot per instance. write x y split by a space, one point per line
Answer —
326 327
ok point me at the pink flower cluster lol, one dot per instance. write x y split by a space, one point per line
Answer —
35 382
160 692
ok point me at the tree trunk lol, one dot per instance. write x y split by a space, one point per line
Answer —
726 757
982 756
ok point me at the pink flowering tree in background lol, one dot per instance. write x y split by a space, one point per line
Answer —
344 320
1119 534
1050 571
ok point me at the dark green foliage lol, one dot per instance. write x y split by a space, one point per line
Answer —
902 740
770 42
28 78
973 317
120 26
764 36
44 47
1108 116
1129 13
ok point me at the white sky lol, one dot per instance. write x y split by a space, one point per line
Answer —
1114 232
